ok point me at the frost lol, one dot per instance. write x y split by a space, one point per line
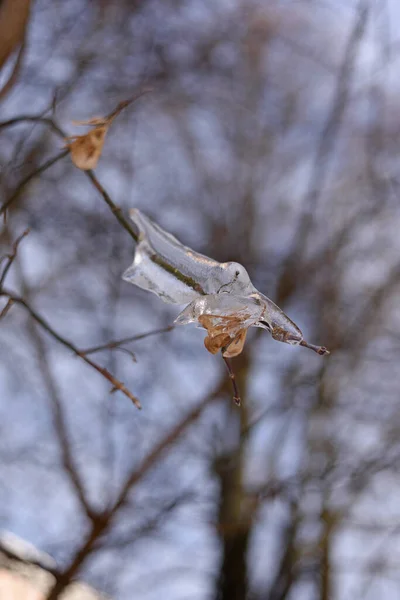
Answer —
220 296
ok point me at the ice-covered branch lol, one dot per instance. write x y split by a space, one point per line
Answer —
220 297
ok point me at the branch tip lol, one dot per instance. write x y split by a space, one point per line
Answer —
321 350
236 394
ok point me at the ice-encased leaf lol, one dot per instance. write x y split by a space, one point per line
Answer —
220 296
176 273
226 319
245 310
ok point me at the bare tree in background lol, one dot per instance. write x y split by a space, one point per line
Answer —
270 138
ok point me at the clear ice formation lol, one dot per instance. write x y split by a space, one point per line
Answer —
220 296
176 273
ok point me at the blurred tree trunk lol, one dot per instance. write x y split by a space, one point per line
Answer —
235 512
285 577
14 16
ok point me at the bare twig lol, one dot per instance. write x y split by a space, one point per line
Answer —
33 119
116 383
130 537
6 308
43 167
11 257
117 212
133 338
122 105
321 350
236 394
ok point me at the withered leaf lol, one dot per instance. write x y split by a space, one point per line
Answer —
236 346
225 333
86 149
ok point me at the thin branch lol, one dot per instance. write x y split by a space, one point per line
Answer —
236 394
43 167
130 537
11 257
33 119
321 350
128 352
6 308
116 383
133 338
116 210
125 103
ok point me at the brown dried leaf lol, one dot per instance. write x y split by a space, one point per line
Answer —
86 149
224 333
236 346
214 344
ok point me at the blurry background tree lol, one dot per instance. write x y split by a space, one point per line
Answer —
271 138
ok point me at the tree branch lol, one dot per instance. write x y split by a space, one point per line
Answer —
104 522
127 340
43 167
11 257
117 385
117 212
